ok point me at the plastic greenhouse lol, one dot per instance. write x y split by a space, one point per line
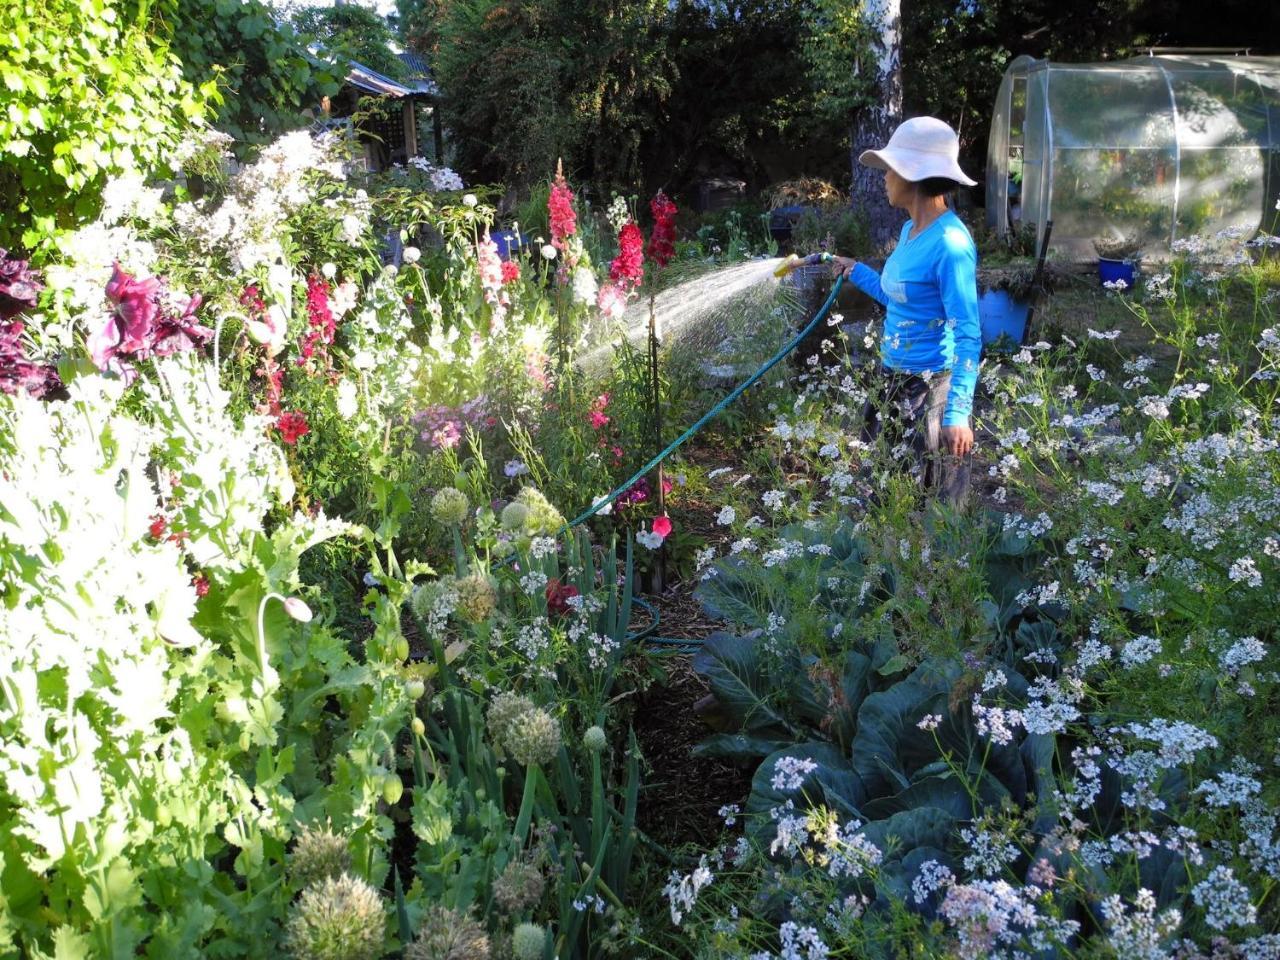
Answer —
1152 149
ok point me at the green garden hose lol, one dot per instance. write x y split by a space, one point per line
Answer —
647 634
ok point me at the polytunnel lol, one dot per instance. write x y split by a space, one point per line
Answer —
1151 149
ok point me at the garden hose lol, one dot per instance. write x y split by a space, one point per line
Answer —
647 634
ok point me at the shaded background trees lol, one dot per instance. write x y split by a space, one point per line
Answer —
642 93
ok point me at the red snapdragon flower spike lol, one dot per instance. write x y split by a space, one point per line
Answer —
292 426
662 241
510 271
321 325
563 221
157 527
662 526
201 583
627 268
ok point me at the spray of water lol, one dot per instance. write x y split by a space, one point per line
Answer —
725 317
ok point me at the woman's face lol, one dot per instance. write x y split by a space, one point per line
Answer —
898 190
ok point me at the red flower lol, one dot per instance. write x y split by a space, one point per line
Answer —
558 596
564 223
627 268
292 425
321 326
662 526
510 271
201 583
662 241
157 528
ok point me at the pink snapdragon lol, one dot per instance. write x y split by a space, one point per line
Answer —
492 280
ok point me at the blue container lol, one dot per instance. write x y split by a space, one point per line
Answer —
1110 271
1002 317
508 243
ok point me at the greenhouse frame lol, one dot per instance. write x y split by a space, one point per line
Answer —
1150 150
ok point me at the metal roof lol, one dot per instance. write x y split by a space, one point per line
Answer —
370 80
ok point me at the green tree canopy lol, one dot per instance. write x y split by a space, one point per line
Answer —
88 90
351 32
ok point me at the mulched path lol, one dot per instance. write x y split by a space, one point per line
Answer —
682 794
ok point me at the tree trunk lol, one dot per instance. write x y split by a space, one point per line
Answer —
874 124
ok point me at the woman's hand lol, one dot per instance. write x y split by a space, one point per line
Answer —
957 440
842 266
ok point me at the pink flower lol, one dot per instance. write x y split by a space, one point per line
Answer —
662 526
140 326
612 301
627 268
510 271
564 223
321 325
492 277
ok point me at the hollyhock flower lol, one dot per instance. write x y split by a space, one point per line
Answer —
292 426
663 237
627 268
612 301
19 288
564 222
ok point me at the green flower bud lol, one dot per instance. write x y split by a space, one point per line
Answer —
450 507
533 738
415 689
445 935
418 727
514 516
392 789
529 941
519 887
544 520
337 919
317 855
595 740
503 712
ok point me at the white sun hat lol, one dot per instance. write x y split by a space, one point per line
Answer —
920 148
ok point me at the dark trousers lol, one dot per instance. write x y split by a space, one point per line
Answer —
905 411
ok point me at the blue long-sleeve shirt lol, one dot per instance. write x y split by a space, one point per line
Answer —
929 287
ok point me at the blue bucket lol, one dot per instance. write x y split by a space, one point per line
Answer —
508 243
1109 271
1001 316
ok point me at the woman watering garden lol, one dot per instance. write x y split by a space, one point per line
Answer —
932 339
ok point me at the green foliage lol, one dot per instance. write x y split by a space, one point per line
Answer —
87 91
267 74
351 31
838 50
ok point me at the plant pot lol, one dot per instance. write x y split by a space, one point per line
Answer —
508 242
1002 318
1113 271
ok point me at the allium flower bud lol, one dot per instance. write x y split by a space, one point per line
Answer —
426 597
533 738
544 519
445 935
411 255
450 506
548 252
514 516
337 919
595 740
318 854
477 598
330 270
506 707
519 887
528 941
469 200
